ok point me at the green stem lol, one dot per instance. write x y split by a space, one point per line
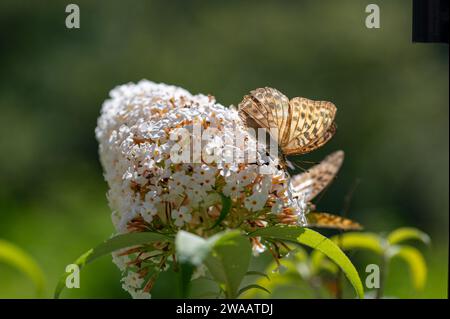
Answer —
229 294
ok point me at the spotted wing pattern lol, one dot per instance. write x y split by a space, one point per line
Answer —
325 220
266 108
309 184
303 125
311 125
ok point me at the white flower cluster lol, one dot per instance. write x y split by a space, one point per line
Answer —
151 189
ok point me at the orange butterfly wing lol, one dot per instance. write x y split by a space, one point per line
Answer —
266 108
303 125
325 220
311 126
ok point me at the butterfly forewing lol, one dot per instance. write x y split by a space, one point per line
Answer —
303 125
276 105
253 114
309 184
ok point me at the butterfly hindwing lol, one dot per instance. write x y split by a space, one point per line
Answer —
322 140
309 184
325 220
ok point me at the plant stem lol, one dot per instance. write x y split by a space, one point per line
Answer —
339 284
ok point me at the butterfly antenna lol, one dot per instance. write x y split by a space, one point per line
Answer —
349 196
310 162
297 165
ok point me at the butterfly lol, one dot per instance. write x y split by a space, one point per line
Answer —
302 125
309 184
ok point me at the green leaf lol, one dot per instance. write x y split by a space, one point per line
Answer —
229 261
366 241
349 241
257 273
193 250
290 278
284 233
253 286
226 207
203 287
415 261
317 241
18 258
109 246
407 233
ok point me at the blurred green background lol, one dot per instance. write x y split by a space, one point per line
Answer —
391 94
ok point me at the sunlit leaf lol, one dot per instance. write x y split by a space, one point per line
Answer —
317 241
366 241
109 246
407 233
415 261
18 258
349 241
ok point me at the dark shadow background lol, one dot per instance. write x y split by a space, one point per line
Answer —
391 94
